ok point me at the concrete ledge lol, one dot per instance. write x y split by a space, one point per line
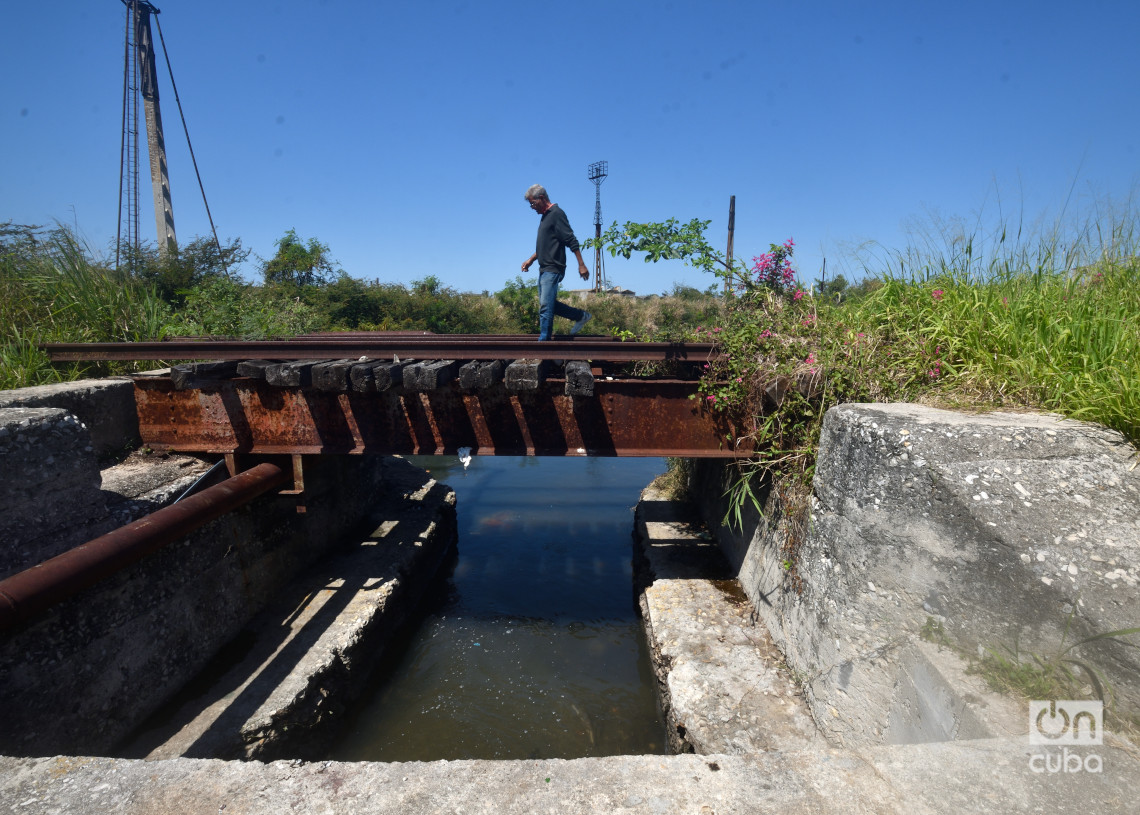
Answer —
722 687
957 778
105 406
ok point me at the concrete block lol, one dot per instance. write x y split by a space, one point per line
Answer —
105 406
1002 529
50 481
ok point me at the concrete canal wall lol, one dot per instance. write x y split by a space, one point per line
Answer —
82 676
928 527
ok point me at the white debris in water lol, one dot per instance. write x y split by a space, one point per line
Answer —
464 456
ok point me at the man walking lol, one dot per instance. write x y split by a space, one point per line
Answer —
554 236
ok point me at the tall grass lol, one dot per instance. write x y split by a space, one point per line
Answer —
53 292
955 319
1051 323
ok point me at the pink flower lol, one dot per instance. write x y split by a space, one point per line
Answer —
711 398
810 359
738 379
799 295
937 294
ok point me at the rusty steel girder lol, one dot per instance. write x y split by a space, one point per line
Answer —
632 417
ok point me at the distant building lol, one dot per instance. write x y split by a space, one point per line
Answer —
586 294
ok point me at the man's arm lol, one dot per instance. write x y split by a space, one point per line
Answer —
528 261
583 270
566 235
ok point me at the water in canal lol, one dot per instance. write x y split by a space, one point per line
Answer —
532 647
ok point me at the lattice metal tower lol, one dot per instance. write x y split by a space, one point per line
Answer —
128 230
598 172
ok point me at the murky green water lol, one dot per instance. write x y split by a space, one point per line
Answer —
532 647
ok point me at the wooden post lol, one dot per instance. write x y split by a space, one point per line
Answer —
731 229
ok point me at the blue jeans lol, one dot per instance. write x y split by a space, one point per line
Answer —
548 305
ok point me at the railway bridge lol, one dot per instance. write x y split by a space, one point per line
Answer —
422 394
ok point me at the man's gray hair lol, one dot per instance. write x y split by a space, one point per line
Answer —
536 191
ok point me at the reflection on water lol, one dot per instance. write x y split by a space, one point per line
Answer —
533 649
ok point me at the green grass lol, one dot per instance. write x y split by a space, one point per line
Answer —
54 292
1028 325
1050 323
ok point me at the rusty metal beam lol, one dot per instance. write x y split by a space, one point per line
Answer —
27 593
623 418
381 347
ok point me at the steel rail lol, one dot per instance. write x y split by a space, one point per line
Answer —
429 347
34 590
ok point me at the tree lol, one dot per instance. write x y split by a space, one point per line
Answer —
299 264
835 288
520 300
671 240
176 272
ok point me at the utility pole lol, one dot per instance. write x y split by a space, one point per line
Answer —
731 230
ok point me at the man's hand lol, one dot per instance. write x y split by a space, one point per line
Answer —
583 271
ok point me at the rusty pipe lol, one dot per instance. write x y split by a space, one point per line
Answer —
27 593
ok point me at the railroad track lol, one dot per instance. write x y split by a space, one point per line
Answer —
380 346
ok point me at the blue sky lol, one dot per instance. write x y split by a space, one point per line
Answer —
403 134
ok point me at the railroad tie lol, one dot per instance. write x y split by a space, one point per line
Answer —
480 374
527 374
333 376
579 378
430 375
296 374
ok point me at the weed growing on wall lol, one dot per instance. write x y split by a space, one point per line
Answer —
784 358
1049 323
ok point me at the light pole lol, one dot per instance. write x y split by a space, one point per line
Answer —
598 172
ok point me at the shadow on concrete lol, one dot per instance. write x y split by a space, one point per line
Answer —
676 545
